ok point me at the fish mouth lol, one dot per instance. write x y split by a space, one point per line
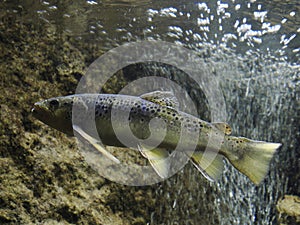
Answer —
36 108
40 111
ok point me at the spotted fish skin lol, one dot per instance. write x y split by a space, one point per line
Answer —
139 111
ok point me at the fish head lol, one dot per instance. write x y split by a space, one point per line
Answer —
55 112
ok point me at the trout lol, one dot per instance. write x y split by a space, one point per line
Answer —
250 157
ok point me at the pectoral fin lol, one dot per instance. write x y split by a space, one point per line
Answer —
209 164
158 160
94 143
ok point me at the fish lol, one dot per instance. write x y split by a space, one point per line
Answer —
213 142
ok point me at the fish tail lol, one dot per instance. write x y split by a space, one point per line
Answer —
254 158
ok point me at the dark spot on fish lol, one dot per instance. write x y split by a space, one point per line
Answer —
176 118
173 114
152 111
158 110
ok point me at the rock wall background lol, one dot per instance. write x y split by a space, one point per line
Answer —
44 179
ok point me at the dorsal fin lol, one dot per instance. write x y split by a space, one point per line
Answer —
224 127
164 98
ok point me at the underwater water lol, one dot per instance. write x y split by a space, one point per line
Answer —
252 47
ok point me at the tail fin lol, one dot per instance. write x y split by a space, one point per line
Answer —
255 159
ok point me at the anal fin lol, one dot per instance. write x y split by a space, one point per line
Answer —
209 164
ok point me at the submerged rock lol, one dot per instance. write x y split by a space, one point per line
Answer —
289 210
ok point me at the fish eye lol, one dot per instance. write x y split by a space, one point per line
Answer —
54 103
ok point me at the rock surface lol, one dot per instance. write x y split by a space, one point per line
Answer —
43 178
289 210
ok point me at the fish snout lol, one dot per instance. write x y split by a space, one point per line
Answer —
39 110
36 107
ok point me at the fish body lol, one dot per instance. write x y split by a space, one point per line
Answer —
156 117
